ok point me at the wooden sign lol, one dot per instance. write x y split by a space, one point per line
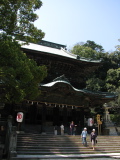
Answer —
98 117
99 122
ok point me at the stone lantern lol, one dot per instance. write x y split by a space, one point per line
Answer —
106 113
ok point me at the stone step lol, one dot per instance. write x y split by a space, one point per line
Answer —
65 153
68 139
52 135
65 148
36 146
69 156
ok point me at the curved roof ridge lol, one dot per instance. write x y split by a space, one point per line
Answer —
104 94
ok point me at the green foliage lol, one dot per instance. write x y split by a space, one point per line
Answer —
118 46
114 59
105 78
20 76
113 79
89 50
17 17
115 105
94 46
86 52
95 84
115 118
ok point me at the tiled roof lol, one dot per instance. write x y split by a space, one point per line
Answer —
59 52
84 91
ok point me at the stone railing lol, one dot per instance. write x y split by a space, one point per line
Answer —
11 140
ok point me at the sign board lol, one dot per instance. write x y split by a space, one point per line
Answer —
98 117
99 122
19 117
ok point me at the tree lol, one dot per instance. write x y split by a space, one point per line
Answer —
107 77
118 46
19 75
97 80
95 84
17 19
114 59
83 51
88 50
93 46
113 79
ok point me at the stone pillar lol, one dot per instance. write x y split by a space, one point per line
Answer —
13 142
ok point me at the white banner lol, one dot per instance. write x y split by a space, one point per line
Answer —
19 117
90 121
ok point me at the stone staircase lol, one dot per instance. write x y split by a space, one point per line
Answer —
37 146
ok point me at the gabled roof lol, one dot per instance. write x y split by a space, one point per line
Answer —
56 51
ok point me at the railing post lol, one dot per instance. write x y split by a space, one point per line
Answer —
13 142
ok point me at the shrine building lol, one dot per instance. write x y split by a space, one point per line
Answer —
63 95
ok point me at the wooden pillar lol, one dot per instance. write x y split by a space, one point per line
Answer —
56 115
65 120
74 115
32 113
81 118
43 118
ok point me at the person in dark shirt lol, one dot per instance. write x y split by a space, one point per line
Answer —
93 138
72 128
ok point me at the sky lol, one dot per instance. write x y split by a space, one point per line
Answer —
69 22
